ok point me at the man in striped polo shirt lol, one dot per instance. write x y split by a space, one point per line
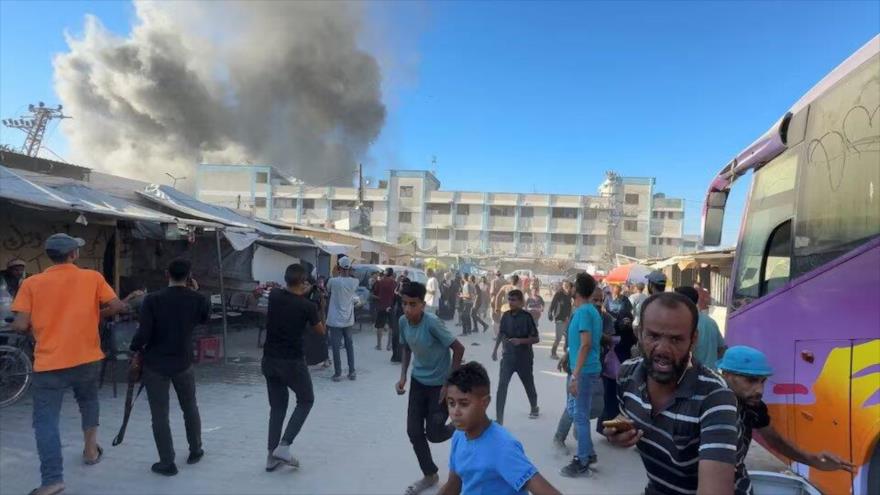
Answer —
681 416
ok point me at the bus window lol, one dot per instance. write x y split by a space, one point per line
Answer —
777 262
771 203
839 186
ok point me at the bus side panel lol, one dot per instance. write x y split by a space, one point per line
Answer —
835 302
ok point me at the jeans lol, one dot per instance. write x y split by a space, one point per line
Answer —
281 375
157 395
582 415
426 422
612 408
565 420
522 366
561 329
48 392
337 335
464 316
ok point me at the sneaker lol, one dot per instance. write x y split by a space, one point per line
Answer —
165 469
282 452
593 459
272 463
534 413
576 469
195 456
337 378
352 376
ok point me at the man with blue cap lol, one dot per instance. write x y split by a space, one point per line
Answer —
746 370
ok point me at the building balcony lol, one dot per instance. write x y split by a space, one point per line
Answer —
564 225
472 221
533 224
438 220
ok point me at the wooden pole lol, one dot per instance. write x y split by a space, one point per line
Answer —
117 262
222 296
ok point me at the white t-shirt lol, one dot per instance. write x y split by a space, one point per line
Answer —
432 298
340 312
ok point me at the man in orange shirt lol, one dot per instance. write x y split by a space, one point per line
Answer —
63 307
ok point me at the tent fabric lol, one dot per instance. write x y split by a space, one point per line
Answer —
184 203
240 240
15 188
74 197
335 248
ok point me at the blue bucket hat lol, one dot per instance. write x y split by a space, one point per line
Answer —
745 360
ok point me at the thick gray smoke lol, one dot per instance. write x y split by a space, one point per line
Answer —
283 83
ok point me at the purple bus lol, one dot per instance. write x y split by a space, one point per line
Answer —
806 280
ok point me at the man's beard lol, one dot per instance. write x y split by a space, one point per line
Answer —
673 375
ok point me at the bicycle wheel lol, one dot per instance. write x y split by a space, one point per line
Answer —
15 374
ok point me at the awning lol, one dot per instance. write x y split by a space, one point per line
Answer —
75 197
173 199
335 248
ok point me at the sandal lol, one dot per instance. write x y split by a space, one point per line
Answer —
58 488
95 460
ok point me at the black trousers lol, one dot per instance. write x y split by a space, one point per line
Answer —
426 422
464 316
157 394
281 375
612 407
395 338
522 366
475 316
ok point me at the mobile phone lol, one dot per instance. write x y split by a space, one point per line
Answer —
618 424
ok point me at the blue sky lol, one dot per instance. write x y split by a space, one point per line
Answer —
546 96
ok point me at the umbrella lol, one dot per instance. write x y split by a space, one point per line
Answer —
628 274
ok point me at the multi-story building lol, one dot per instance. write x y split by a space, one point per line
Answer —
626 217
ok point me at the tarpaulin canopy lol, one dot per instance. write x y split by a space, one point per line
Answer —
74 197
175 200
335 248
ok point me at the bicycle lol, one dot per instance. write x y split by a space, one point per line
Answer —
16 366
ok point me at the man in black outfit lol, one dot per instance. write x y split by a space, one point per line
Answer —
290 315
519 333
167 320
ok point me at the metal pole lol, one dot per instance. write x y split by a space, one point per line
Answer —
222 297
117 263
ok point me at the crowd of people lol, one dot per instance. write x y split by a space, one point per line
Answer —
670 388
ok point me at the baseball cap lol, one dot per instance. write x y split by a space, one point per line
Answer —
15 262
745 360
656 278
63 243
344 262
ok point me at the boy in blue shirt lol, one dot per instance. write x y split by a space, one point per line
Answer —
485 457
584 342
425 340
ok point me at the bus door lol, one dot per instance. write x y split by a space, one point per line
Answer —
822 406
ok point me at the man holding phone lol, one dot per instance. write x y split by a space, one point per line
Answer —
667 391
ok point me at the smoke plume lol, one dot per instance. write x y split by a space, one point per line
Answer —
280 83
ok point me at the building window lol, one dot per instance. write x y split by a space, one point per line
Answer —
308 204
437 234
629 251
342 204
404 217
590 240
500 236
653 241
461 235
631 199
284 203
630 225
262 178
565 213
501 211
591 214
368 205
567 239
260 202
526 238
406 191
438 208
463 209
526 212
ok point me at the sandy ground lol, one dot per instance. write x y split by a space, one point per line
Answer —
354 441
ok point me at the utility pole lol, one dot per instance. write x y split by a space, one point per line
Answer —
361 210
35 125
